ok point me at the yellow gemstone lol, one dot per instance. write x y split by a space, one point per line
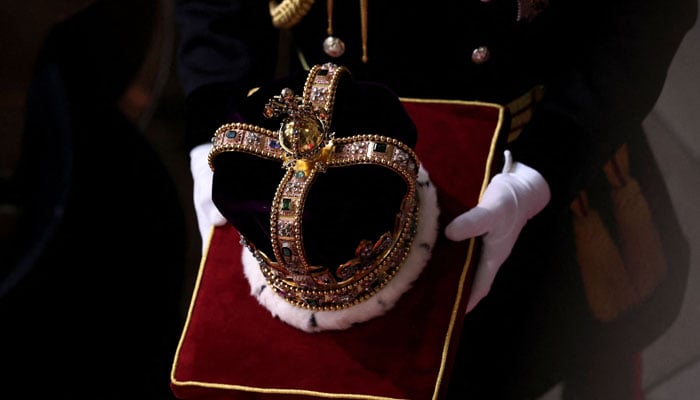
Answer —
300 136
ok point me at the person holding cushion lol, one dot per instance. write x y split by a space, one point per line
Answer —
582 260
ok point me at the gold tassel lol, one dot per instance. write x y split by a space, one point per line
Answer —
639 240
607 285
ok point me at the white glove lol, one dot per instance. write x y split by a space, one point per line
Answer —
207 213
511 198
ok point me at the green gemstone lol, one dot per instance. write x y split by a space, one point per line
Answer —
299 174
286 204
380 147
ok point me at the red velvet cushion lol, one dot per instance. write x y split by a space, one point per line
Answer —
232 348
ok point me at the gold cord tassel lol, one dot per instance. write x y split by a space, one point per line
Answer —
639 240
607 286
616 279
363 21
329 13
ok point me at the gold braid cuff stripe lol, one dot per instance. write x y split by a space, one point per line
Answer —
292 276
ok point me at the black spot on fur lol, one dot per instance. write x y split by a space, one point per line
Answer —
312 321
260 290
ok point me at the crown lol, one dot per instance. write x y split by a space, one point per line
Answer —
305 148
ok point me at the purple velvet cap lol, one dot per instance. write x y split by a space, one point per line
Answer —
346 204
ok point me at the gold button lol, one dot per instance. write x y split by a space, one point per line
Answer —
480 55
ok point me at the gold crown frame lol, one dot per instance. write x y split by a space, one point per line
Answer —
306 147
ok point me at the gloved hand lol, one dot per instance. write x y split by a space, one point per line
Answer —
207 213
511 198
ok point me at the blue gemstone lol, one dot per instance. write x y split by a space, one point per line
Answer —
231 134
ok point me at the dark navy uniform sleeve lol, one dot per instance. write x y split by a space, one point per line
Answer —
610 66
225 48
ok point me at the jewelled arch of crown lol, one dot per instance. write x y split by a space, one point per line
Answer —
305 147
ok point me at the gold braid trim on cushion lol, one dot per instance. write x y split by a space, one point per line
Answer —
292 276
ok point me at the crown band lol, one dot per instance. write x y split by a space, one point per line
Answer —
376 261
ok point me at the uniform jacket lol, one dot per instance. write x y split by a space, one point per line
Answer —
602 65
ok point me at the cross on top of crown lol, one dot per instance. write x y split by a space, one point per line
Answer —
287 103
